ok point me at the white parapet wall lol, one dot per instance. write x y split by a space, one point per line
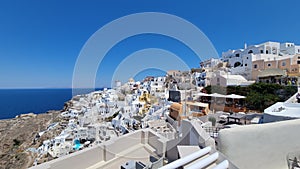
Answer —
105 153
260 146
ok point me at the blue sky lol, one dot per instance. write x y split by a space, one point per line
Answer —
41 40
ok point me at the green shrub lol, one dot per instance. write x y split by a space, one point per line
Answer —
212 120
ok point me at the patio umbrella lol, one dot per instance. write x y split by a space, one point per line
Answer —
202 94
217 95
235 96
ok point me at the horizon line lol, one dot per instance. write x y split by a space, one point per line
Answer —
9 88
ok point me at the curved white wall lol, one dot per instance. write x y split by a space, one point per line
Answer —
260 146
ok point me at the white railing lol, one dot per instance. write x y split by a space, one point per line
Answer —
204 162
184 160
210 159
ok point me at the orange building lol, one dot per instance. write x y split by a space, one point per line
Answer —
194 109
289 64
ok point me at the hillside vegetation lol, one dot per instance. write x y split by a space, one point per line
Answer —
259 96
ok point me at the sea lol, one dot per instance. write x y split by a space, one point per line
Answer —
14 102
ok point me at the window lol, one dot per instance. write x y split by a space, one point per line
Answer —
237 55
246 64
247 57
236 64
274 50
283 64
261 51
267 52
269 64
250 51
255 66
298 62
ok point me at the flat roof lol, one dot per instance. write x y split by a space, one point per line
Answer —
284 109
139 152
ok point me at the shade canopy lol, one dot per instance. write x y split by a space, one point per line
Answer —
217 95
232 96
198 104
235 96
202 94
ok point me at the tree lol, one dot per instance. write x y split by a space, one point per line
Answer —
215 89
259 96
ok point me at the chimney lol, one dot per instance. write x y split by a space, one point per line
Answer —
245 46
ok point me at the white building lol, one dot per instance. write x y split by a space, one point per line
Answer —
157 85
163 128
289 49
241 60
200 78
81 133
221 78
92 132
282 111
60 150
212 62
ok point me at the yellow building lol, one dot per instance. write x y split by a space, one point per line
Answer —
145 98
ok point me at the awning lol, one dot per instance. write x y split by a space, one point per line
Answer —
294 74
199 104
217 95
235 96
271 72
202 94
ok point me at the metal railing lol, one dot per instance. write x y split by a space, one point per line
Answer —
213 131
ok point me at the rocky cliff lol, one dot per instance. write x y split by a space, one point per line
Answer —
20 133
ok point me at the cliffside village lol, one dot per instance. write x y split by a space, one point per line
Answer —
160 122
